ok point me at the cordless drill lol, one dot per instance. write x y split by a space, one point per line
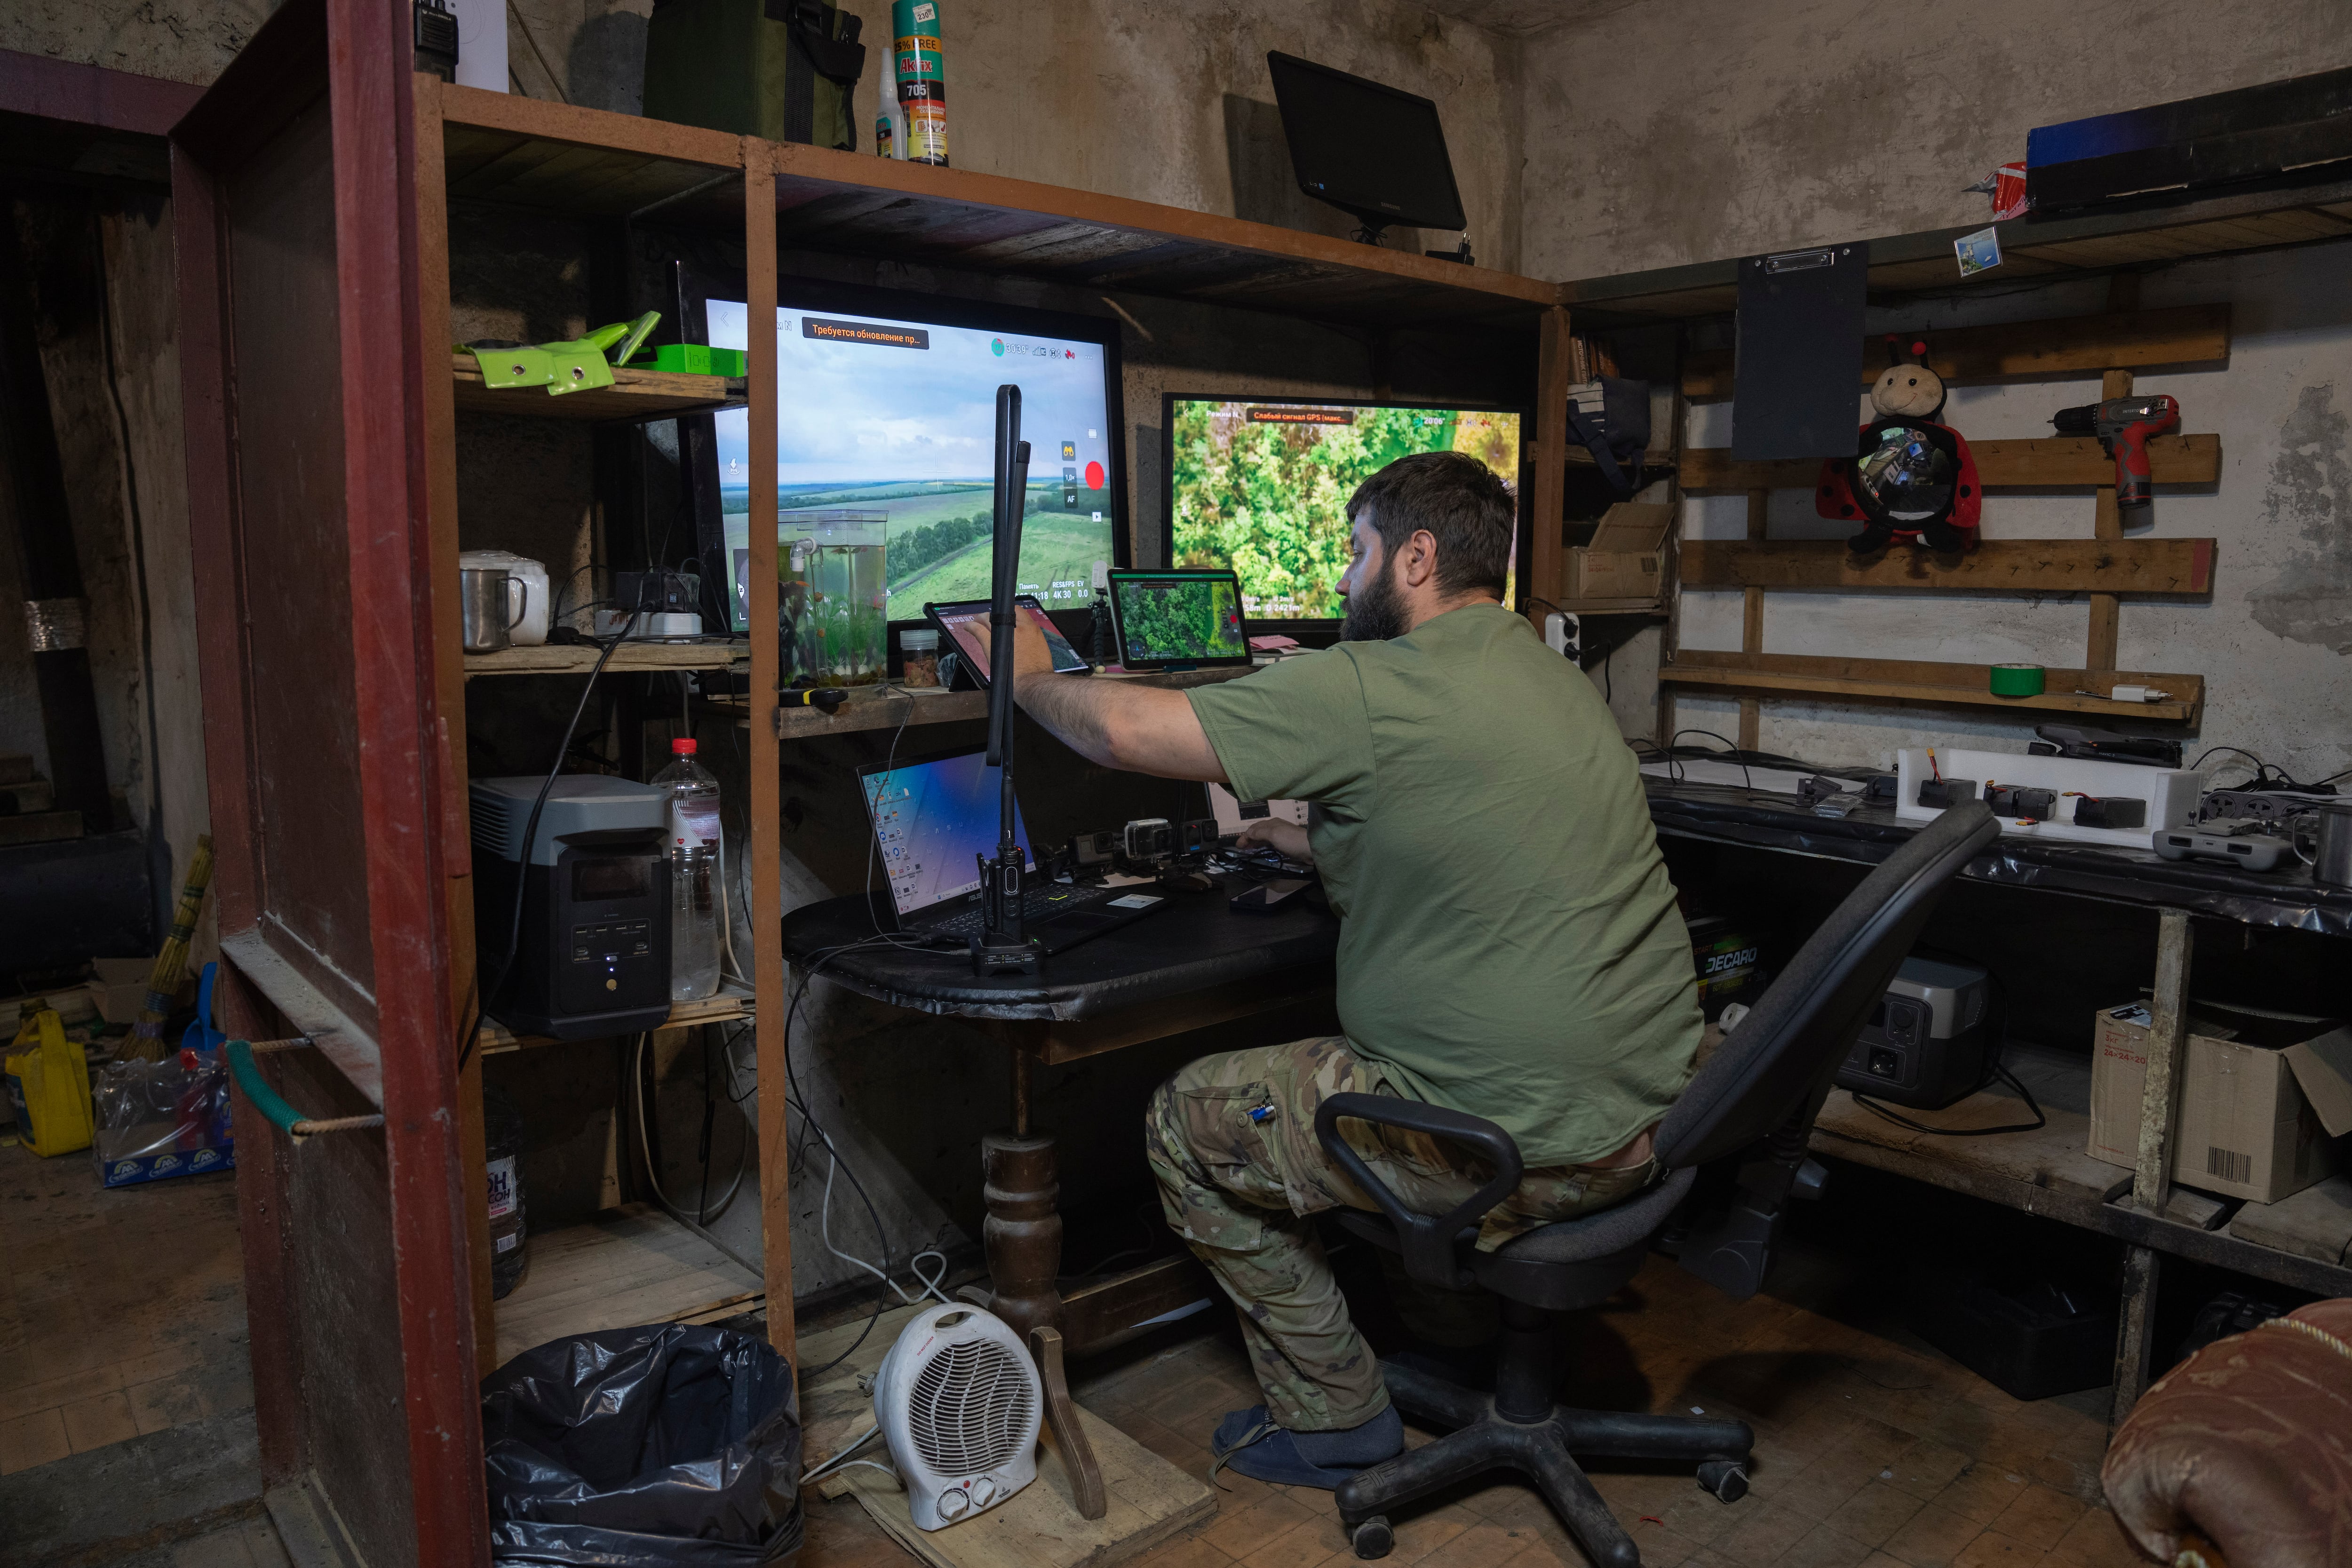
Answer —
2123 426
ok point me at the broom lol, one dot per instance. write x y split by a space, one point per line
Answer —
170 969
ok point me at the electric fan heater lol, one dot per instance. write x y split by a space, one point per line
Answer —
959 1402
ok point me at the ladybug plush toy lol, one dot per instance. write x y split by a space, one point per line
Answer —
1910 477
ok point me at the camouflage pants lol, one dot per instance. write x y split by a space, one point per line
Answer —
1232 1141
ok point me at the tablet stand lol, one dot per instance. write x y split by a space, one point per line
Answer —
1004 946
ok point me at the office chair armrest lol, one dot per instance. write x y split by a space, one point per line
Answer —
1427 1242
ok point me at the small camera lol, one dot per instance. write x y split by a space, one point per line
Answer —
1149 839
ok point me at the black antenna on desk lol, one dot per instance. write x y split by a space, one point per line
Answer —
1004 946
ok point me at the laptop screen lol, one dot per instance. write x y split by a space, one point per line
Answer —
932 820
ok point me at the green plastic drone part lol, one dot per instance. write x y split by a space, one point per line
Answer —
576 364
514 367
578 367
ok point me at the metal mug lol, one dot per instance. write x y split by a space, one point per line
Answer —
493 604
2328 831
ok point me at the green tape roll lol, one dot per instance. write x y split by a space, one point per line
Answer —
2017 680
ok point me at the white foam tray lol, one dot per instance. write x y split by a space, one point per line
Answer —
2171 793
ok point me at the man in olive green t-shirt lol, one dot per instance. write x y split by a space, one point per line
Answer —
1510 943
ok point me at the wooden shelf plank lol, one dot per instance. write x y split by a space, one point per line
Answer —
1921 680
1995 566
634 394
504 147
2033 463
2063 348
845 202
579 659
732 1002
1606 606
888 707
627 1266
2040 245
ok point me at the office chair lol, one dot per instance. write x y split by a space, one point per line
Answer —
1745 1117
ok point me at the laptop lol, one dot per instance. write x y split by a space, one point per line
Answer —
932 821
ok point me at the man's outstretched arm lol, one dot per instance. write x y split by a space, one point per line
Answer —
1118 724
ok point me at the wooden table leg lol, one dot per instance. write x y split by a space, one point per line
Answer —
1077 1454
1022 1233
2168 1049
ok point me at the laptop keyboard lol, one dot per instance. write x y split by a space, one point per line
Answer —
1037 902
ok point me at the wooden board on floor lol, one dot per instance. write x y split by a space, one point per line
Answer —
627 1266
1151 1500
2313 1223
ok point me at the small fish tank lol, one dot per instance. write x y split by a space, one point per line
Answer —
833 596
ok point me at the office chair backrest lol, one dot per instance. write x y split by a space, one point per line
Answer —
1783 1054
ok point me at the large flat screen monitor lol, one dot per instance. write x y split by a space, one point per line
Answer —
885 417
1260 485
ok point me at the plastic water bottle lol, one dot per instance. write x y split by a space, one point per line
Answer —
696 885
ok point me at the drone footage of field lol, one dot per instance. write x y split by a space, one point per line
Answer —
939 537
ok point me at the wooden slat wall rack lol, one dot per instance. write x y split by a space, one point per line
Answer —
2105 567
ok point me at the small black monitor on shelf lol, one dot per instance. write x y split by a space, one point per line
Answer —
1366 149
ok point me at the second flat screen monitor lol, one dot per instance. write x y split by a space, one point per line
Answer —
884 431
1261 486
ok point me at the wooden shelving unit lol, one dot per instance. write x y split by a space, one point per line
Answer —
581 163
635 395
579 659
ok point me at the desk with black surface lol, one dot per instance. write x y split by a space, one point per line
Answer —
1192 965
2304 1240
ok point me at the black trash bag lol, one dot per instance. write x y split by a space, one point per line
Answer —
647 1448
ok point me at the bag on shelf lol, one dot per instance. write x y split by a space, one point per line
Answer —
1609 417
783 69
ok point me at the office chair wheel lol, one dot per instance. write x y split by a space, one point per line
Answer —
1725 1476
1373 1537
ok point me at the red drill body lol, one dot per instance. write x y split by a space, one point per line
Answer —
2123 426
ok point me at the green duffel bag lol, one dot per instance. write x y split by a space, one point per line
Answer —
784 70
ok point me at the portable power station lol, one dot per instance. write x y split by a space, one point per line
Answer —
594 955
1932 1039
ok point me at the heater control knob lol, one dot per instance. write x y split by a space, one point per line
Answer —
984 1492
954 1504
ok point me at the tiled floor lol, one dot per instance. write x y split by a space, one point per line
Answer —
248 1544
122 1311
1872 1450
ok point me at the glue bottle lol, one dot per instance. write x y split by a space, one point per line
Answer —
694 883
919 63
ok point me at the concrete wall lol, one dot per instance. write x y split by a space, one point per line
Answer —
1664 133
179 40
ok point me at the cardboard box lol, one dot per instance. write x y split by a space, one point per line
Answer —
121 988
1625 559
2262 1099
